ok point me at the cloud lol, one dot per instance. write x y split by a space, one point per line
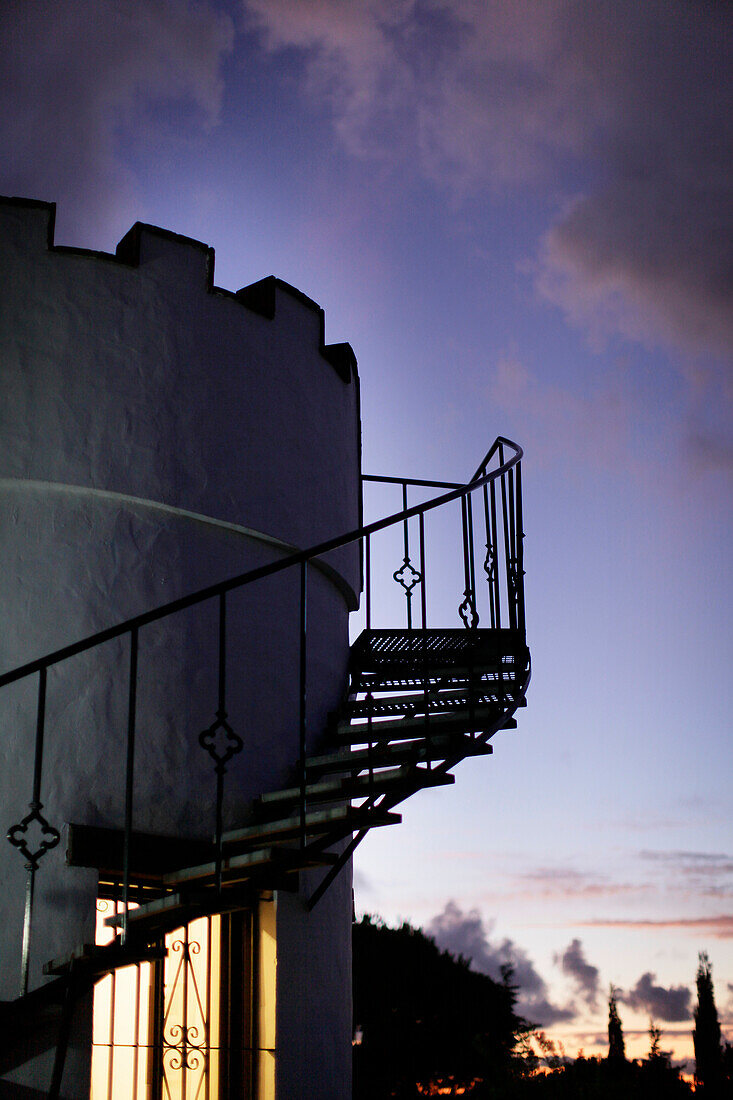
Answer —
573 962
710 450
710 874
697 863
720 927
470 90
564 882
565 424
74 75
645 250
672 1004
618 118
465 934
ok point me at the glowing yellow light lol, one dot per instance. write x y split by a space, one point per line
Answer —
267 990
121 1024
123 1039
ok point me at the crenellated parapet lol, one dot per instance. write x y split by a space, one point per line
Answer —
133 373
183 264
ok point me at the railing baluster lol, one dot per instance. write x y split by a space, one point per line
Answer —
221 712
490 559
423 620
467 607
406 533
17 834
368 579
407 575
512 546
495 537
129 780
35 804
423 595
220 731
520 551
511 608
303 698
471 558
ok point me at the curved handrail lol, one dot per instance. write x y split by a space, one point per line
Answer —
252 575
502 510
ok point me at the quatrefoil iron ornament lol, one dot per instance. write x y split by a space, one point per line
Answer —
489 562
407 576
17 835
220 730
467 611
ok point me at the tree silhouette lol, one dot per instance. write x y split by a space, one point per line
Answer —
616 1044
425 1017
706 1033
655 1037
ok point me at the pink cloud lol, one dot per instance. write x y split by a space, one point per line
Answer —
634 100
720 927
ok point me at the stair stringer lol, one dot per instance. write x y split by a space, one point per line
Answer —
343 827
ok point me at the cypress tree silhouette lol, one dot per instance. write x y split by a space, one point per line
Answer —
655 1038
706 1033
616 1044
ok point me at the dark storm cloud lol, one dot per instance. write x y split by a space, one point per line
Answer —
672 1004
572 961
74 74
465 934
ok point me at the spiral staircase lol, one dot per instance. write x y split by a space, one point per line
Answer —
419 700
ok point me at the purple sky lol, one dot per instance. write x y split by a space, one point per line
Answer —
519 214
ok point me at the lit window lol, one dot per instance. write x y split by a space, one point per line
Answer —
194 1025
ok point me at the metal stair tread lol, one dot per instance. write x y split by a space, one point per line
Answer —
341 819
383 645
439 748
175 909
472 719
418 673
282 858
436 701
354 787
100 959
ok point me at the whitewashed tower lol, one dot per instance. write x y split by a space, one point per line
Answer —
158 433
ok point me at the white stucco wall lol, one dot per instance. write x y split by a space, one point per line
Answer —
128 384
314 992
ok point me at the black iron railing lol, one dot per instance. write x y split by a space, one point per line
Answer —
497 548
